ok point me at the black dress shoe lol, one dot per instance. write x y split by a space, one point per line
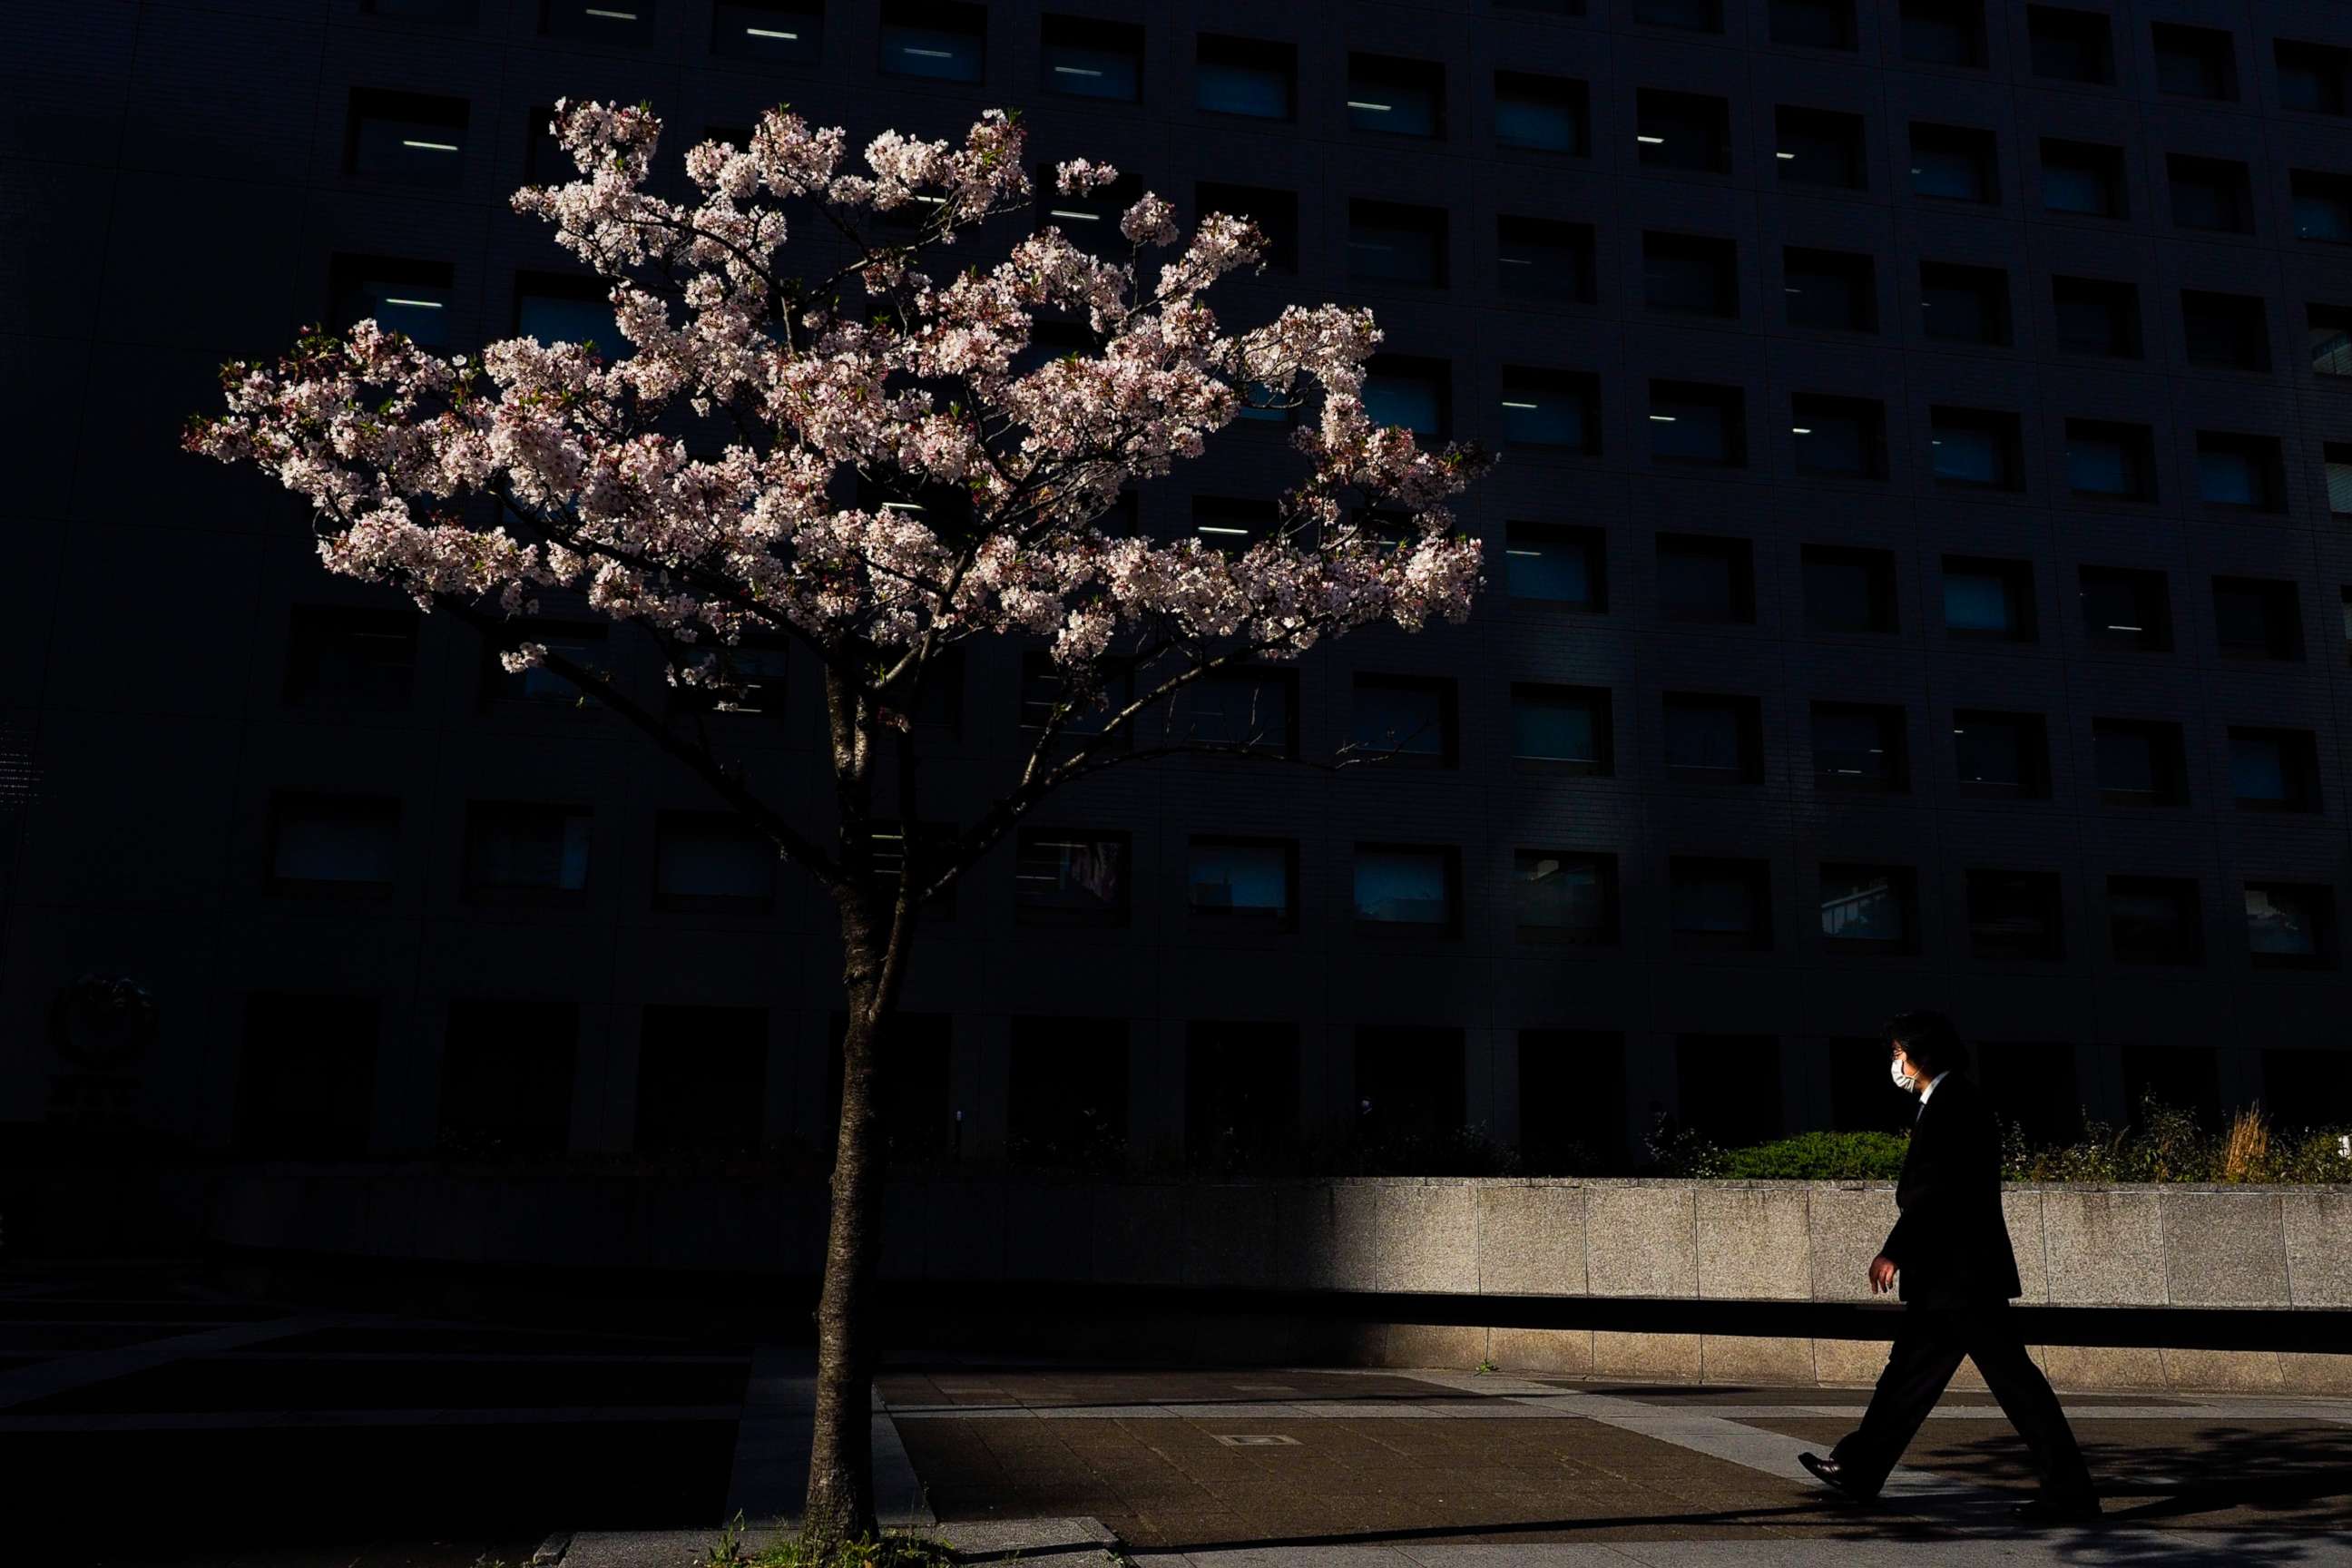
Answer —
1832 1475
2056 1511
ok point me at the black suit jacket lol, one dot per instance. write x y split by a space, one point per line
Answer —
1952 1245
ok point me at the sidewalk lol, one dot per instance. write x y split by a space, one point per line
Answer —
1320 1468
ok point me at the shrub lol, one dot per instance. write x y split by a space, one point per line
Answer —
1820 1157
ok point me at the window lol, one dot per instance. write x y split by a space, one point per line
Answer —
1728 1087
1392 243
702 1079
2210 193
711 861
1861 747
2095 316
1047 697
1869 908
400 295
1963 304
2124 609
505 1077
2016 915
1988 600
1690 16
1536 258
1684 131
1090 219
914 1091
1834 291
2139 762
2186 1077
627 22
1403 720
1070 876
306 1077
1707 579
567 308
2084 177
1065 1094
2103 458
518 853
1712 739
1275 213
2033 1083
1254 78
2323 206
1944 32
1241 1092
345 659
756 672
1554 408
2257 617
1561 729
2002 756
2273 770
1251 879
346 845
1976 447
889 843
1541 113
1572 1100
2313 78
774 32
1691 274
2336 474
1414 393
1954 163
942 40
1849 590
2155 919
1857 1066
1715 903
2290 925
405 138
1842 437
1813 24
2311 1073
1396 97
2229 331
1403 887
1410 1084
2240 470
2194 62
1565 895
1819 147
454 12
2327 338
2069 45
1245 708
1692 423
2347 625
1557 565
1085 57
581 643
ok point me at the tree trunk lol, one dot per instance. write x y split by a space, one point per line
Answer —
840 1504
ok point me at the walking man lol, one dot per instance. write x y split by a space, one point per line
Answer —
1950 1254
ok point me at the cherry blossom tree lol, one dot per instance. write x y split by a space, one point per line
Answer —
718 481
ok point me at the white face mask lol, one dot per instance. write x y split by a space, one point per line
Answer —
1908 1082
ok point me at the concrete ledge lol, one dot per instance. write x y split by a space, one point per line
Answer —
2177 1247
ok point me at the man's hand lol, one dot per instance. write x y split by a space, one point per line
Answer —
1881 1275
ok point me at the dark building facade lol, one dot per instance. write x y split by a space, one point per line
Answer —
1920 575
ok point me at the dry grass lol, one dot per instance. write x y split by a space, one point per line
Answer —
2245 1152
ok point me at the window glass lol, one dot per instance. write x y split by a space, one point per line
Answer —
1563 725
334 843
1865 904
1404 717
1087 59
1404 886
1070 876
1538 259
1396 97
1565 895
1240 876
515 851
777 32
1247 76
940 40
706 860
1549 408
1858 748
1562 565
1544 114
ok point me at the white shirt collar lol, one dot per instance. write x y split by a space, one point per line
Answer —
1931 1086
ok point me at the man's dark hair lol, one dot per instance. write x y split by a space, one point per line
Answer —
1929 1040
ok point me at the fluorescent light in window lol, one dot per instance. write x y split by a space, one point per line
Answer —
1075 70
902 506
614 16
1508 404
2114 627
1069 212
1215 528
772 33
430 146
420 304
1375 108
1662 418
1800 429
1536 553
1650 141
1786 157
1516 260
931 54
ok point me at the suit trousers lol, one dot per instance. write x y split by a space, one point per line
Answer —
1929 1348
